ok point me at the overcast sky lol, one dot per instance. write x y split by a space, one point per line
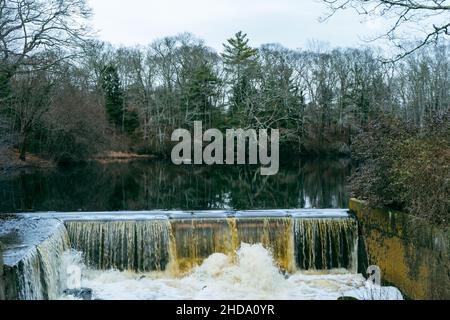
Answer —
292 23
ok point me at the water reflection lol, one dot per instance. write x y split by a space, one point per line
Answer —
161 185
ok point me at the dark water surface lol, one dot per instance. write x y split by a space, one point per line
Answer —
161 185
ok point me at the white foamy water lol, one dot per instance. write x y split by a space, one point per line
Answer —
251 275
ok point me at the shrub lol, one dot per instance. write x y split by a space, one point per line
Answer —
405 167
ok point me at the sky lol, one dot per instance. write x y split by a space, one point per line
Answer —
291 23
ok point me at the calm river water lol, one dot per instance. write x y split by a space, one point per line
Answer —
161 185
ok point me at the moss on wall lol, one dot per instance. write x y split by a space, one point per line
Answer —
412 255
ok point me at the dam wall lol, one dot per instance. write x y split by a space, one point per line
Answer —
172 241
180 244
32 253
412 255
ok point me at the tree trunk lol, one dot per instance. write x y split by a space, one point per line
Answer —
22 150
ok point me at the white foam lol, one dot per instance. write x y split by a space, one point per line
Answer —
251 275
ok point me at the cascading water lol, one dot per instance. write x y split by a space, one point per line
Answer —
38 274
196 239
275 234
193 240
154 253
252 274
28 274
324 244
181 244
50 254
123 245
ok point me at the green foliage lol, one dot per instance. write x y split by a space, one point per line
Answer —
241 63
201 88
131 122
405 167
127 121
114 97
238 54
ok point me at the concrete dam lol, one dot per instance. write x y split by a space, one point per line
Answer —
167 241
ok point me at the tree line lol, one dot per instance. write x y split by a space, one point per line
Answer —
67 96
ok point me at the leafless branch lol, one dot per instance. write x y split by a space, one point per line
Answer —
433 15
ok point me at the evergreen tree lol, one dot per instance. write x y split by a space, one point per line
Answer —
237 54
131 121
241 62
201 89
114 97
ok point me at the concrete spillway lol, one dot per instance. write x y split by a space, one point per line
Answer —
31 257
172 241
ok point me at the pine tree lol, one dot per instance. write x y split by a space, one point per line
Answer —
201 89
240 61
131 121
114 97
238 54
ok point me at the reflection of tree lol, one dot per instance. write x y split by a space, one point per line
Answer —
158 185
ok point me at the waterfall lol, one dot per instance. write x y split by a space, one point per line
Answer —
28 274
178 245
194 240
39 275
326 243
124 245
175 244
275 234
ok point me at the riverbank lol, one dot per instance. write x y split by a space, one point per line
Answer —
120 157
405 168
10 162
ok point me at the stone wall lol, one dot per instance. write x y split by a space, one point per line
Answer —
412 255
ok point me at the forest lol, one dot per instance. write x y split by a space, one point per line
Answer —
66 96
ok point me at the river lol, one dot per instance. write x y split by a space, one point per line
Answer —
148 185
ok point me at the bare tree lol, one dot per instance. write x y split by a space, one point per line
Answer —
28 27
36 35
429 19
31 101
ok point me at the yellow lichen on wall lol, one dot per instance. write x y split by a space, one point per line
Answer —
412 256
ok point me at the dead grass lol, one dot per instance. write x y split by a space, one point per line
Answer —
120 157
10 162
